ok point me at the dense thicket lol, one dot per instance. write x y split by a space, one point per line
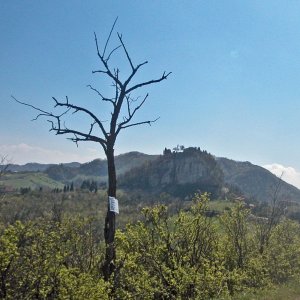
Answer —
183 255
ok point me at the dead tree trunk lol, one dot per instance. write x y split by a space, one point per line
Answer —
110 219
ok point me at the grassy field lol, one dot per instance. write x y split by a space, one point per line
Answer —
32 180
220 205
290 291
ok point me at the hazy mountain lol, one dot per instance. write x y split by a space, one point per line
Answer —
179 173
30 167
193 170
256 182
36 167
59 174
98 167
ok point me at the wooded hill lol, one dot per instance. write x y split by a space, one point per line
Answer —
180 173
256 182
177 173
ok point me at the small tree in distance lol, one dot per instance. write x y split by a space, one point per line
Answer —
121 100
4 165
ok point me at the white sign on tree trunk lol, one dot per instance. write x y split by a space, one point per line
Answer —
113 204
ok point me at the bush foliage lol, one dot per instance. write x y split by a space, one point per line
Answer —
184 255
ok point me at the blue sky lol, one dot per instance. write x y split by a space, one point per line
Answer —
234 88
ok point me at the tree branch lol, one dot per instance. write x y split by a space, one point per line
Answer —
163 77
78 108
131 114
111 100
139 106
136 124
111 52
108 38
34 107
85 136
58 128
134 72
126 52
105 64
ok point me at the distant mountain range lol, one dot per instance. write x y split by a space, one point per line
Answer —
97 169
179 173
36 167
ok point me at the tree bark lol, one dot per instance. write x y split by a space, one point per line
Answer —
109 227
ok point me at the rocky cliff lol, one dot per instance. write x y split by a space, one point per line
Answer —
179 173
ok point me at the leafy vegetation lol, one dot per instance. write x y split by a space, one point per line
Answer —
55 250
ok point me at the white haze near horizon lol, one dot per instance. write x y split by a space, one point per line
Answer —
24 153
288 174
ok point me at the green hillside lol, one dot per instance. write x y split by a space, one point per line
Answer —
256 182
97 169
34 180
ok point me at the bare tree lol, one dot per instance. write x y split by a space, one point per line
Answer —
4 164
266 225
121 101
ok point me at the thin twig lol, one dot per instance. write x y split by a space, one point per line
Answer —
112 29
